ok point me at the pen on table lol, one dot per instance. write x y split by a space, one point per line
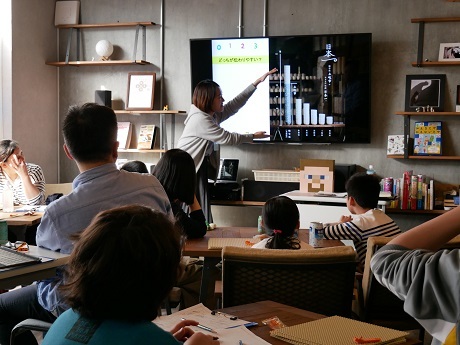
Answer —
209 329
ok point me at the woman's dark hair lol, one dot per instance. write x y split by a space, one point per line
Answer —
124 264
90 132
204 93
176 173
135 166
364 188
281 217
7 148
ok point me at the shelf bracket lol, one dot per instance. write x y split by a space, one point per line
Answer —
69 41
421 33
406 136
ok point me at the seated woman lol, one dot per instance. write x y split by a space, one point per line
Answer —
135 166
280 219
25 179
112 282
176 172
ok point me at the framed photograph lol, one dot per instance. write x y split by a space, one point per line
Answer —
449 52
141 91
425 90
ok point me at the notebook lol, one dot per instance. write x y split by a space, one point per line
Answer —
11 258
228 171
337 330
219 243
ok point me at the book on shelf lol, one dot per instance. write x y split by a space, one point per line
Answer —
146 139
125 130
395 144
427 138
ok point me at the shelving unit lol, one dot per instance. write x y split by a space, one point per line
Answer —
140 26
161 113
421 33
407 115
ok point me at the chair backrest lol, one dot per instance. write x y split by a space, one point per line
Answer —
379 303
319 280
52 188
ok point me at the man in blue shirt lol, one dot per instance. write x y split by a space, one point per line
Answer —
90 139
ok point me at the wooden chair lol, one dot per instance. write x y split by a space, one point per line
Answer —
318 280
377 305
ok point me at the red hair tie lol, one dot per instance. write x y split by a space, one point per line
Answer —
277 232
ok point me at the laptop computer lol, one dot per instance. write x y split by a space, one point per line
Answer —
228 171
11 258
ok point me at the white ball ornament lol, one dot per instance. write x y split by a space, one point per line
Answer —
104 49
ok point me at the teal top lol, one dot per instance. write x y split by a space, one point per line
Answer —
72 329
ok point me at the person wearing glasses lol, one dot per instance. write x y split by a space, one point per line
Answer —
26 180
202 130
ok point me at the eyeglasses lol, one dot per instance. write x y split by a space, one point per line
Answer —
231 317
20 246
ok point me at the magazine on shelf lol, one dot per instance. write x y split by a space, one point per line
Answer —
146 139
427 138
124 134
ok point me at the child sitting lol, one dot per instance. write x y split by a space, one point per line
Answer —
280 218
123 266
362 197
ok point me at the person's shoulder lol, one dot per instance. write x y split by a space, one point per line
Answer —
32 167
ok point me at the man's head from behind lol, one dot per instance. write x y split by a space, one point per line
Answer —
90 132
365 189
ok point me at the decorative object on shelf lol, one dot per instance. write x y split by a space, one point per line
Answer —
425 90
146 138
395 144
427 138
124 134
166 107
449 52
317 175
104 49
66 12
141 88
103 97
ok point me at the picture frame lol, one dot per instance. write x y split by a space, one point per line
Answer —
425 92
449 52
457 102
141 91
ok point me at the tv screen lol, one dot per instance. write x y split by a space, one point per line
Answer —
321 93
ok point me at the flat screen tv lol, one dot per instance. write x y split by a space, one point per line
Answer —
321 93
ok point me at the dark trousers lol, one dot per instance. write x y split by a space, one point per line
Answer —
16 306
202 190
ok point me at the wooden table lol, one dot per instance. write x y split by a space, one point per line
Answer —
199 247
24 275
20 218
290 316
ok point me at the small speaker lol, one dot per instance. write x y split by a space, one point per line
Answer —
103 97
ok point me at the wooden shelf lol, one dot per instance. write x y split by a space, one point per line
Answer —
103 25
445 158
435 63
435 20
397 210
98 63
142 151
436 113
138 112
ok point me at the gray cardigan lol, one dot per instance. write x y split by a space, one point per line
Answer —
202 128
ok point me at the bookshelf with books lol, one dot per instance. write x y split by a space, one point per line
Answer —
409 135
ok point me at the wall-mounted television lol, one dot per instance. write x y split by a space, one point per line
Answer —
320 95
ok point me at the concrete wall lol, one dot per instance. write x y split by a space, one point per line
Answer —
34 85
394 47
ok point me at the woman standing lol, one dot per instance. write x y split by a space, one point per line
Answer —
202 130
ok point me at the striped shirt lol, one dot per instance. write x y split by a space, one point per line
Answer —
38 179
372 223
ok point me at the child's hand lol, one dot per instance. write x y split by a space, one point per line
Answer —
345 219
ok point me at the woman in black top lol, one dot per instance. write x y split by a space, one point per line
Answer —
176 172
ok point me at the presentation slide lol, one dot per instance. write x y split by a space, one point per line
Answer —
235 64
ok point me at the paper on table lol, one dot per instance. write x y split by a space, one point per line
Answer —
25 208
232 336
198 313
